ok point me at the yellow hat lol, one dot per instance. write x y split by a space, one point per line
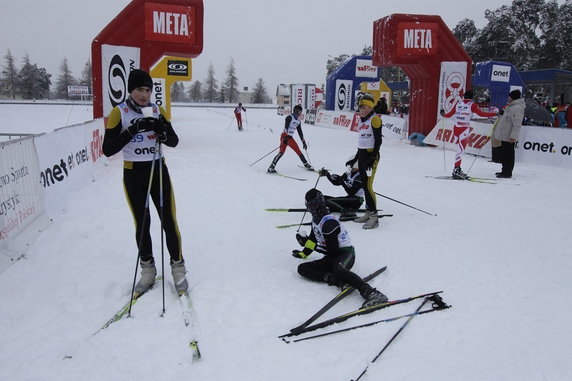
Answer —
366 100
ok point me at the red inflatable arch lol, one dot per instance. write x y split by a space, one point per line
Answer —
418 44
142 33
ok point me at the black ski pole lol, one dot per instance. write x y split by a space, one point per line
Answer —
143 222
304 215
402 203
250 165
161 209
394 336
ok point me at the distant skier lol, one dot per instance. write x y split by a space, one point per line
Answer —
330 238
238 115
463 112
352 184
291 124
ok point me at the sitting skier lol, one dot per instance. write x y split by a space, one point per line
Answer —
351 182
330 238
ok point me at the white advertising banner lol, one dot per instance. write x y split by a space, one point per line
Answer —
343 95
500 73
21 199
116 64
452 85
68 158
297 94
158 95
365 69
540 145
310 97
393 127
479 137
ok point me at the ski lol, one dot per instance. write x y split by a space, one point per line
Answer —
301 210
124 310
472 179
310 223
187 311
345 292
308 169
359 311
438 305
287 176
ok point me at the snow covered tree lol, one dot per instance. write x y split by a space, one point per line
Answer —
86 75
465 31
259 93
34 81
9 76
211 89
335 62
230 86
195 92
64 80
178 92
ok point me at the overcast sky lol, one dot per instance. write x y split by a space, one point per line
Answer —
278 41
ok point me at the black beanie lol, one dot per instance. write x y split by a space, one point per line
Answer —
515 94
139 78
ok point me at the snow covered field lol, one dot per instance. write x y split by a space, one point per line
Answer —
500 252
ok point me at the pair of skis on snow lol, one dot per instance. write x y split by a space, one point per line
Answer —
307 325
186 311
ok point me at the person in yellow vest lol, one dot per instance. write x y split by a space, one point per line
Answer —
136 136
367 157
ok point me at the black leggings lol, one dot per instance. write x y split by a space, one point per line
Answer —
367 181
136 182
334 270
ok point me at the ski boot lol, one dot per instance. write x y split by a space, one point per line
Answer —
372 296
458 174
178 271
148 273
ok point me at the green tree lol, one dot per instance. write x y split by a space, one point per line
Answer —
178 92
231 83
34 81
9 76
211 89
64 80
195 92
86 75
259 94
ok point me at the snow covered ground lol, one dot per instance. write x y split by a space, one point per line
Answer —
500 253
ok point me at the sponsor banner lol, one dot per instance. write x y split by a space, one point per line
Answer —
343 94
452 85
393 127
417 38
479 137
116 64
21 196
545 145
500 73
170 23
539 145
67 159
310 97
158 96
298 96
310 117
78 90
365 69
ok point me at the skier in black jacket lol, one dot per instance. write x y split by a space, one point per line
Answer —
330 238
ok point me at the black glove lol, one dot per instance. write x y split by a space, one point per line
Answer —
323 172
299 254
350 163
302 237
160 131
370 161
304 145
143 125
285 140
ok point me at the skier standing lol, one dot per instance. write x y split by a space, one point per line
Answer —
463 112
238 115
367 157
329 237
128 131
291 124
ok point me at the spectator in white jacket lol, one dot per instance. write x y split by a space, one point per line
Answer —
507 131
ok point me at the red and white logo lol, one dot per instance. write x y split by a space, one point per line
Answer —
169 23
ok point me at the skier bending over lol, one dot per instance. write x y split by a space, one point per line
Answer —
352 184
330 238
